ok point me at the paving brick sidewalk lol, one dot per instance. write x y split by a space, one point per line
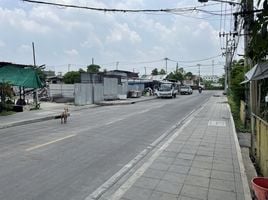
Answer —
202 162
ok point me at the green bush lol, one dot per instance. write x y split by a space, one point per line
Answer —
236 93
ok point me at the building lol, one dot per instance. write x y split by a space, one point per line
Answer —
213 78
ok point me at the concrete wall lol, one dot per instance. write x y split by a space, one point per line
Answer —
98 93
84 93
110 88
61 90
123 88
88 93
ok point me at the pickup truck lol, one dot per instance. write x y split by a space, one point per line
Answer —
186 90
167 90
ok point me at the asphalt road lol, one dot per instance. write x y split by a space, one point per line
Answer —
51 161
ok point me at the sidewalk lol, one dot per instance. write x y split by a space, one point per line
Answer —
202 160
50 110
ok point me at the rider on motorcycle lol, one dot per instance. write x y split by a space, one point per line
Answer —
200 89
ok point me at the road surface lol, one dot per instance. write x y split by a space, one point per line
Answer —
53 161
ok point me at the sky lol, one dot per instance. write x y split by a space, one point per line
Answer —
66 39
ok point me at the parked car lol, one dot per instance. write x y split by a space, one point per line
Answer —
186 90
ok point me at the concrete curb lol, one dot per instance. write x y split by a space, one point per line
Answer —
123 102
40 119
56 116
247 194
29 121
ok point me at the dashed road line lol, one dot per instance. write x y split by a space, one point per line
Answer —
48 143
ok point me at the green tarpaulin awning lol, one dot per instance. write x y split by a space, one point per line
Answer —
26 77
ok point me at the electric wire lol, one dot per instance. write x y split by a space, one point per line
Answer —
167 10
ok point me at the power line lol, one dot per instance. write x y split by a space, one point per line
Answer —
98 9
167 10
191 61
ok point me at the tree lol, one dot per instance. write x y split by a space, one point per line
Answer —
181 70
189 75
176 76
81 70
208 84
71 77
259 44
237 76
222 81
93 68
155 71
162 72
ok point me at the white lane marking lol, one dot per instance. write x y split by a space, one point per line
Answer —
111 122
130 115
48 143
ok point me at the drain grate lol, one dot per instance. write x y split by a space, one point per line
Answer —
216 123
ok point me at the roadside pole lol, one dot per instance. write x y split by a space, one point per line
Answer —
249 19
35 94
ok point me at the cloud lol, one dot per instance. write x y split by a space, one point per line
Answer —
129 4
2 44
24 49
122 32
19 20
71 52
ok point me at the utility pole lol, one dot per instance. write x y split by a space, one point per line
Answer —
198 74
117 63
92 61
212 69
33 54
145 71
252 97
249 18
227 62
35 94
166 59
69 66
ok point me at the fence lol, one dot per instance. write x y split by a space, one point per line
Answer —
260 143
